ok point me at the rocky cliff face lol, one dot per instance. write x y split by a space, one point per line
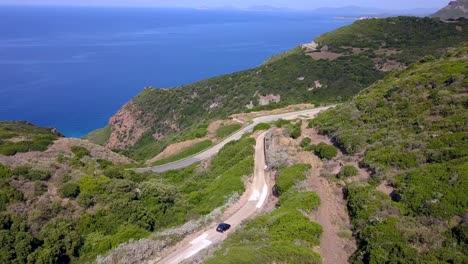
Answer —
127 126
455 9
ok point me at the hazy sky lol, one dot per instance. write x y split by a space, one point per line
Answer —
297 4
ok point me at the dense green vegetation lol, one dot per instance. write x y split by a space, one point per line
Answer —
348 171
413 37
18 136
283 236
325 151
192 150
226 131
262 126
119 204
412 129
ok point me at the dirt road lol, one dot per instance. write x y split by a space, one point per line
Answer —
255 199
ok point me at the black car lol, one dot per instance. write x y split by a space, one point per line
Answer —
223 227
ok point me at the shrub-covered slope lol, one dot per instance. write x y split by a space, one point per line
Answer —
293 77
18 136
83 205
412 129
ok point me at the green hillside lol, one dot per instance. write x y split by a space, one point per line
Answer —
292 76
412 128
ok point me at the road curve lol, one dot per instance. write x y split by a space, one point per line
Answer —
236 136
257 193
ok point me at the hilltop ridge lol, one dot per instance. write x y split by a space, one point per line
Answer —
455 9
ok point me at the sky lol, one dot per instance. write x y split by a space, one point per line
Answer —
295 4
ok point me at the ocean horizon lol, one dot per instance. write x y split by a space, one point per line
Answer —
73 68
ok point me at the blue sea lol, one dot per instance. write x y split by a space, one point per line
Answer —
73 68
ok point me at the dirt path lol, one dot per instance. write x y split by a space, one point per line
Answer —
336 245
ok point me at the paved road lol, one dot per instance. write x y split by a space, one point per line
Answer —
257 193
215 149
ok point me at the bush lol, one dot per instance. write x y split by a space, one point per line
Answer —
38 175
290 176
92 185
5 172
80 152
306 142
28 173
348 171
282 123
296 131
262 126
70 190
325 151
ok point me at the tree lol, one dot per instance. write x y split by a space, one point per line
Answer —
325 151
348 171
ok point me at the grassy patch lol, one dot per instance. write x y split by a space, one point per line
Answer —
262 126
290 176
100 136
190 151
228 130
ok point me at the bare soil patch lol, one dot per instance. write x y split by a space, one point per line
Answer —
386 188
324 55
174 149
337 244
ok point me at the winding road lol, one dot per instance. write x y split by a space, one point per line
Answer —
236 136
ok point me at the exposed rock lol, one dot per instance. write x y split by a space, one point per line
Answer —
268 99
310 47
280 149
317 85
250 105
385 65
301 78
387 52
57 133
324 48
127 126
